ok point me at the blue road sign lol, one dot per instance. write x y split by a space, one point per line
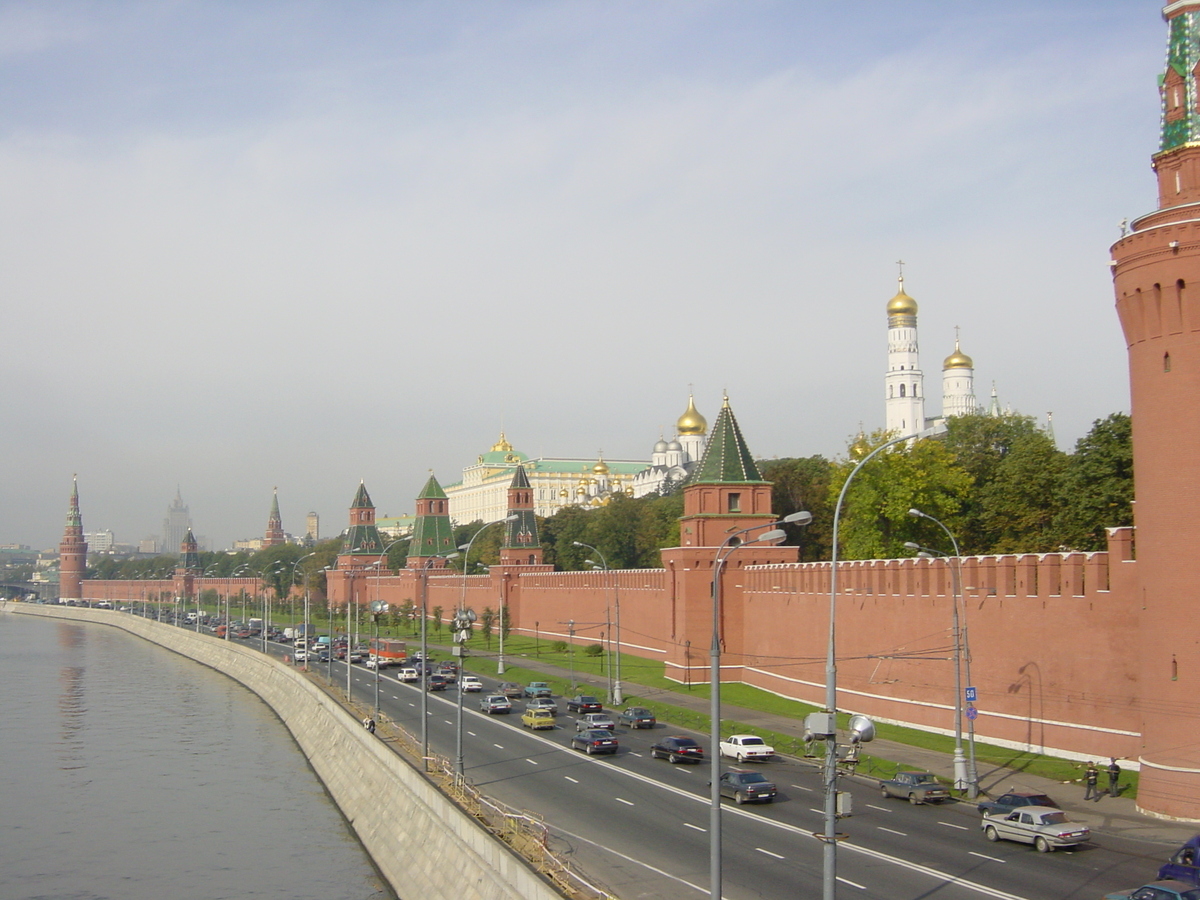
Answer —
971 696
972 713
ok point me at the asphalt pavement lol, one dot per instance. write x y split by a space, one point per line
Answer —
1110 815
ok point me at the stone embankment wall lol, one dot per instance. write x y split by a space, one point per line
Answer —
424 845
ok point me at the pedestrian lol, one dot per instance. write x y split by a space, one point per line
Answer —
1092 776
371 725
1114 773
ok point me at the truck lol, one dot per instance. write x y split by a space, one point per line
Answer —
743 747
387 652
255 626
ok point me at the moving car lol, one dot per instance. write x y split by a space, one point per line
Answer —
495 703
510 689
584 703
915 787
537 719
1182 865
543 703
1159 890
677 748
470 684
595 720
638 717
1045 827
747 787
1006 803
435 683
408 676
595 740
538 689
746 746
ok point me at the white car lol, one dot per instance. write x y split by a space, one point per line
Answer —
1044 827
744 747
470 684
408 676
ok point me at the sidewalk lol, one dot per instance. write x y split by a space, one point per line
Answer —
1111 815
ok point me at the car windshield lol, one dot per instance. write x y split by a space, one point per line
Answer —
751 741
586 699
924 779
1055 819
753 778
684 742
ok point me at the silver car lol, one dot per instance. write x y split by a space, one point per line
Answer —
1044 827
595 720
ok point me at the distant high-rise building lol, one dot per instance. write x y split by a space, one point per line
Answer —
176 525
314 527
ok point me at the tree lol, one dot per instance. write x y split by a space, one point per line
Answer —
1097 487
436 613
1018 506
803 484
487 623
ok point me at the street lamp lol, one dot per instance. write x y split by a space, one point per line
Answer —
425 655
462 630
617 696
964 778
279 566
378 607
728 546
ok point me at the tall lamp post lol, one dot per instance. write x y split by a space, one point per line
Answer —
828 717
462 630
425 655
266 608
618 696
730 544
964 777
378 608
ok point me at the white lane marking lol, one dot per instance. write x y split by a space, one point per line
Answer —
533 762
693 827
621 800
497 746
819 812
768 852
952 825
578 837
472 734
851 883
638 755
892 831
570 779
880 808
801 787
985 856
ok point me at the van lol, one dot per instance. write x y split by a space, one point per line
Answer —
1183 863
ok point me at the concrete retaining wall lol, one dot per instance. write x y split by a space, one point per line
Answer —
424 845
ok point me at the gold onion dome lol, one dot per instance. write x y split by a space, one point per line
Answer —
502 445
691 422
600 468
902 304
958 360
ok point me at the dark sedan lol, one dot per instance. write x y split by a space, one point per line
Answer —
638 717
677 748
584 703
747 787
594 740
1006 803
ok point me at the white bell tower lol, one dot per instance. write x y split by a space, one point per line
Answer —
904 382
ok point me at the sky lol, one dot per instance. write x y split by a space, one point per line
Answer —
296 245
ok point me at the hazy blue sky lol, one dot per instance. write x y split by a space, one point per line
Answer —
306 243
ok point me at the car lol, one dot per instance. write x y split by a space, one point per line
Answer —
595 720
1159 890
357 656
300 655
408 676
677 748
594 740
746 746
915 787
495 703
470 684
1006 803
538 689
584 703
510 689
543 703
1045 827
537 718
747 787
104 604
637 717
450 673
435 683
1182 864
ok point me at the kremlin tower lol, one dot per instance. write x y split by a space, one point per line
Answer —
274 535
1156 278
72 552
905 392
521 544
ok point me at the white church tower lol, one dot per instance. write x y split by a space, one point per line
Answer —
904 383
958 384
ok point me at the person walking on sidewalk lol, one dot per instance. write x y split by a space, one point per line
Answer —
1092 776
1114 773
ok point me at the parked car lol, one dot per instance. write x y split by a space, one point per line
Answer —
915 787
584 703
677 748
747 787
470 684
595 720
746 746
1013 800
408 676
510 689
1045 827
544 703
435 683
595 740
538 689
638 717
1159 890
495 703
537 718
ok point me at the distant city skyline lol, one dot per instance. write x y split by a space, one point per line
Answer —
249 248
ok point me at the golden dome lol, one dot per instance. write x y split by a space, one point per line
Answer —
902 304
861 447
502 445
600 468
691 422
958 359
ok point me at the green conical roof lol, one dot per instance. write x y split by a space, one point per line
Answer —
432 490
726 457
520 478
275 505
73 516
362 500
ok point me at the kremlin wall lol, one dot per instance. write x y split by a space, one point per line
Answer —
1084 655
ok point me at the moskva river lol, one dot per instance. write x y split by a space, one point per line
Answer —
130 773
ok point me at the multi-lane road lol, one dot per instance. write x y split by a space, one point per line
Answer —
640 825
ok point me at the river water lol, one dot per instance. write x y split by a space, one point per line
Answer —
128 772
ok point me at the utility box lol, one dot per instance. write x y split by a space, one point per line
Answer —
844 804
820 724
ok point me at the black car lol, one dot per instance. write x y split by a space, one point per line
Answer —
595 740
584 703
435 683
1006 803
747 787
677 748
638 717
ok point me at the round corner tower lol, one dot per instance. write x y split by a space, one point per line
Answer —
1156 278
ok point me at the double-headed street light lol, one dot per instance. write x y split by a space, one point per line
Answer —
965 778
730 544
618 696
425 654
